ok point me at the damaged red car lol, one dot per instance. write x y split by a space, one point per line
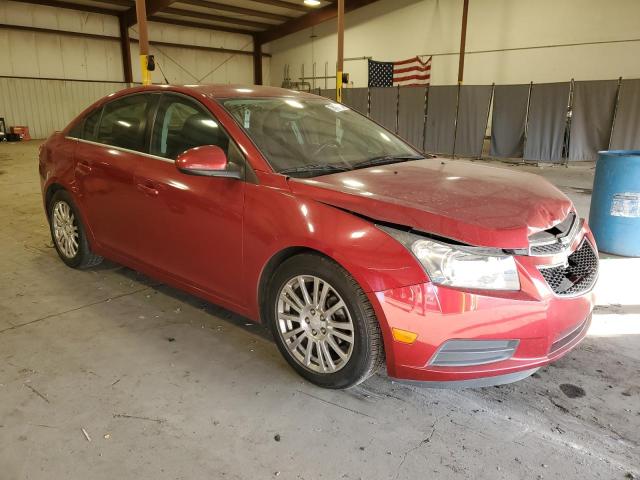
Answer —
354 248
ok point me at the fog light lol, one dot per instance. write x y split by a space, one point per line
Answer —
460 353
403 336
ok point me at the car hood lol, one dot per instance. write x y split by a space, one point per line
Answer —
474 204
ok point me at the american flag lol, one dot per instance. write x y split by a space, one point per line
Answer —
412 71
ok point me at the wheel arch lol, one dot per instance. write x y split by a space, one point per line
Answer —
54 187
49 193
272 265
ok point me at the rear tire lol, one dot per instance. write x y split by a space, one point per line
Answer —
328 334
68 233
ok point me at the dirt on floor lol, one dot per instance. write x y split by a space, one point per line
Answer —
108 374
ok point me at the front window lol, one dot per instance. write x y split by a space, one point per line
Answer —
309 137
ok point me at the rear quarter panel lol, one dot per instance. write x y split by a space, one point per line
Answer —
56 163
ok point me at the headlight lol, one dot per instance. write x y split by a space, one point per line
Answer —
460 266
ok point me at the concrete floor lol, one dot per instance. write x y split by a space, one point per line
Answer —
167 386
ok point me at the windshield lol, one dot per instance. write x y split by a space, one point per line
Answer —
309 137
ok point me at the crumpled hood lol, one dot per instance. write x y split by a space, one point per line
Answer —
475 204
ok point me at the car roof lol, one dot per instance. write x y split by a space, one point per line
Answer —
223 91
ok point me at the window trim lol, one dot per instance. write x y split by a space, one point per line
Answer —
153 101
249 175
96 127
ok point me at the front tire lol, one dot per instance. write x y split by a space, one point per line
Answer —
323 322
68 233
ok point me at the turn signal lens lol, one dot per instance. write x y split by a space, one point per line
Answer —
403 336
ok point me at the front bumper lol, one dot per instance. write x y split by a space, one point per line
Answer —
543 325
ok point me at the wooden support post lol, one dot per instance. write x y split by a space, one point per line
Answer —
125 50
463 40
143 34
340 64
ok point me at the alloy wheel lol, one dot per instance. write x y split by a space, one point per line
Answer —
65 229
315 324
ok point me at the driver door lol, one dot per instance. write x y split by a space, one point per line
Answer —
191 225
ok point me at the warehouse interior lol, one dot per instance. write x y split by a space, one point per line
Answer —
109 373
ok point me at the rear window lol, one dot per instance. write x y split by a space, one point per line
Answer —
123 122
86 128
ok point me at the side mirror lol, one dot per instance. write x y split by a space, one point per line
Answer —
207 160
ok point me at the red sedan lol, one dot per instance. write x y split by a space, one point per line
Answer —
300 213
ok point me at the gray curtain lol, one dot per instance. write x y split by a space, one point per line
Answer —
507 120
626 130
473 112
593 104
441 118
329 93
411 111
384 106
547 122
356 99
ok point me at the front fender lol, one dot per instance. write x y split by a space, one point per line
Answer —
276 220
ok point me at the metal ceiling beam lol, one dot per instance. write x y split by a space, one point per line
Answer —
232 8
153 6
309 20
280 3
206 26
216 18
72 6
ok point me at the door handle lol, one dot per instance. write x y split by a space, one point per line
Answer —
147 189
83 167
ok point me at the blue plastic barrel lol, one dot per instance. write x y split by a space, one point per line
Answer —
615 203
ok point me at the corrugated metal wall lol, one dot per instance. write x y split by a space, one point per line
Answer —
48 105
27 97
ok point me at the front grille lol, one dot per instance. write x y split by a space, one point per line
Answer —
556 239
577 276
549 249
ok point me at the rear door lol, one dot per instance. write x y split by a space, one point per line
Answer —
112 140
190 226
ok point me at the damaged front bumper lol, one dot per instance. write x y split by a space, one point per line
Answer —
474 339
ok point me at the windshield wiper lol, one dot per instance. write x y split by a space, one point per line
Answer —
385 160
312 170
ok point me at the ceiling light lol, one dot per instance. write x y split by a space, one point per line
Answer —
312 3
